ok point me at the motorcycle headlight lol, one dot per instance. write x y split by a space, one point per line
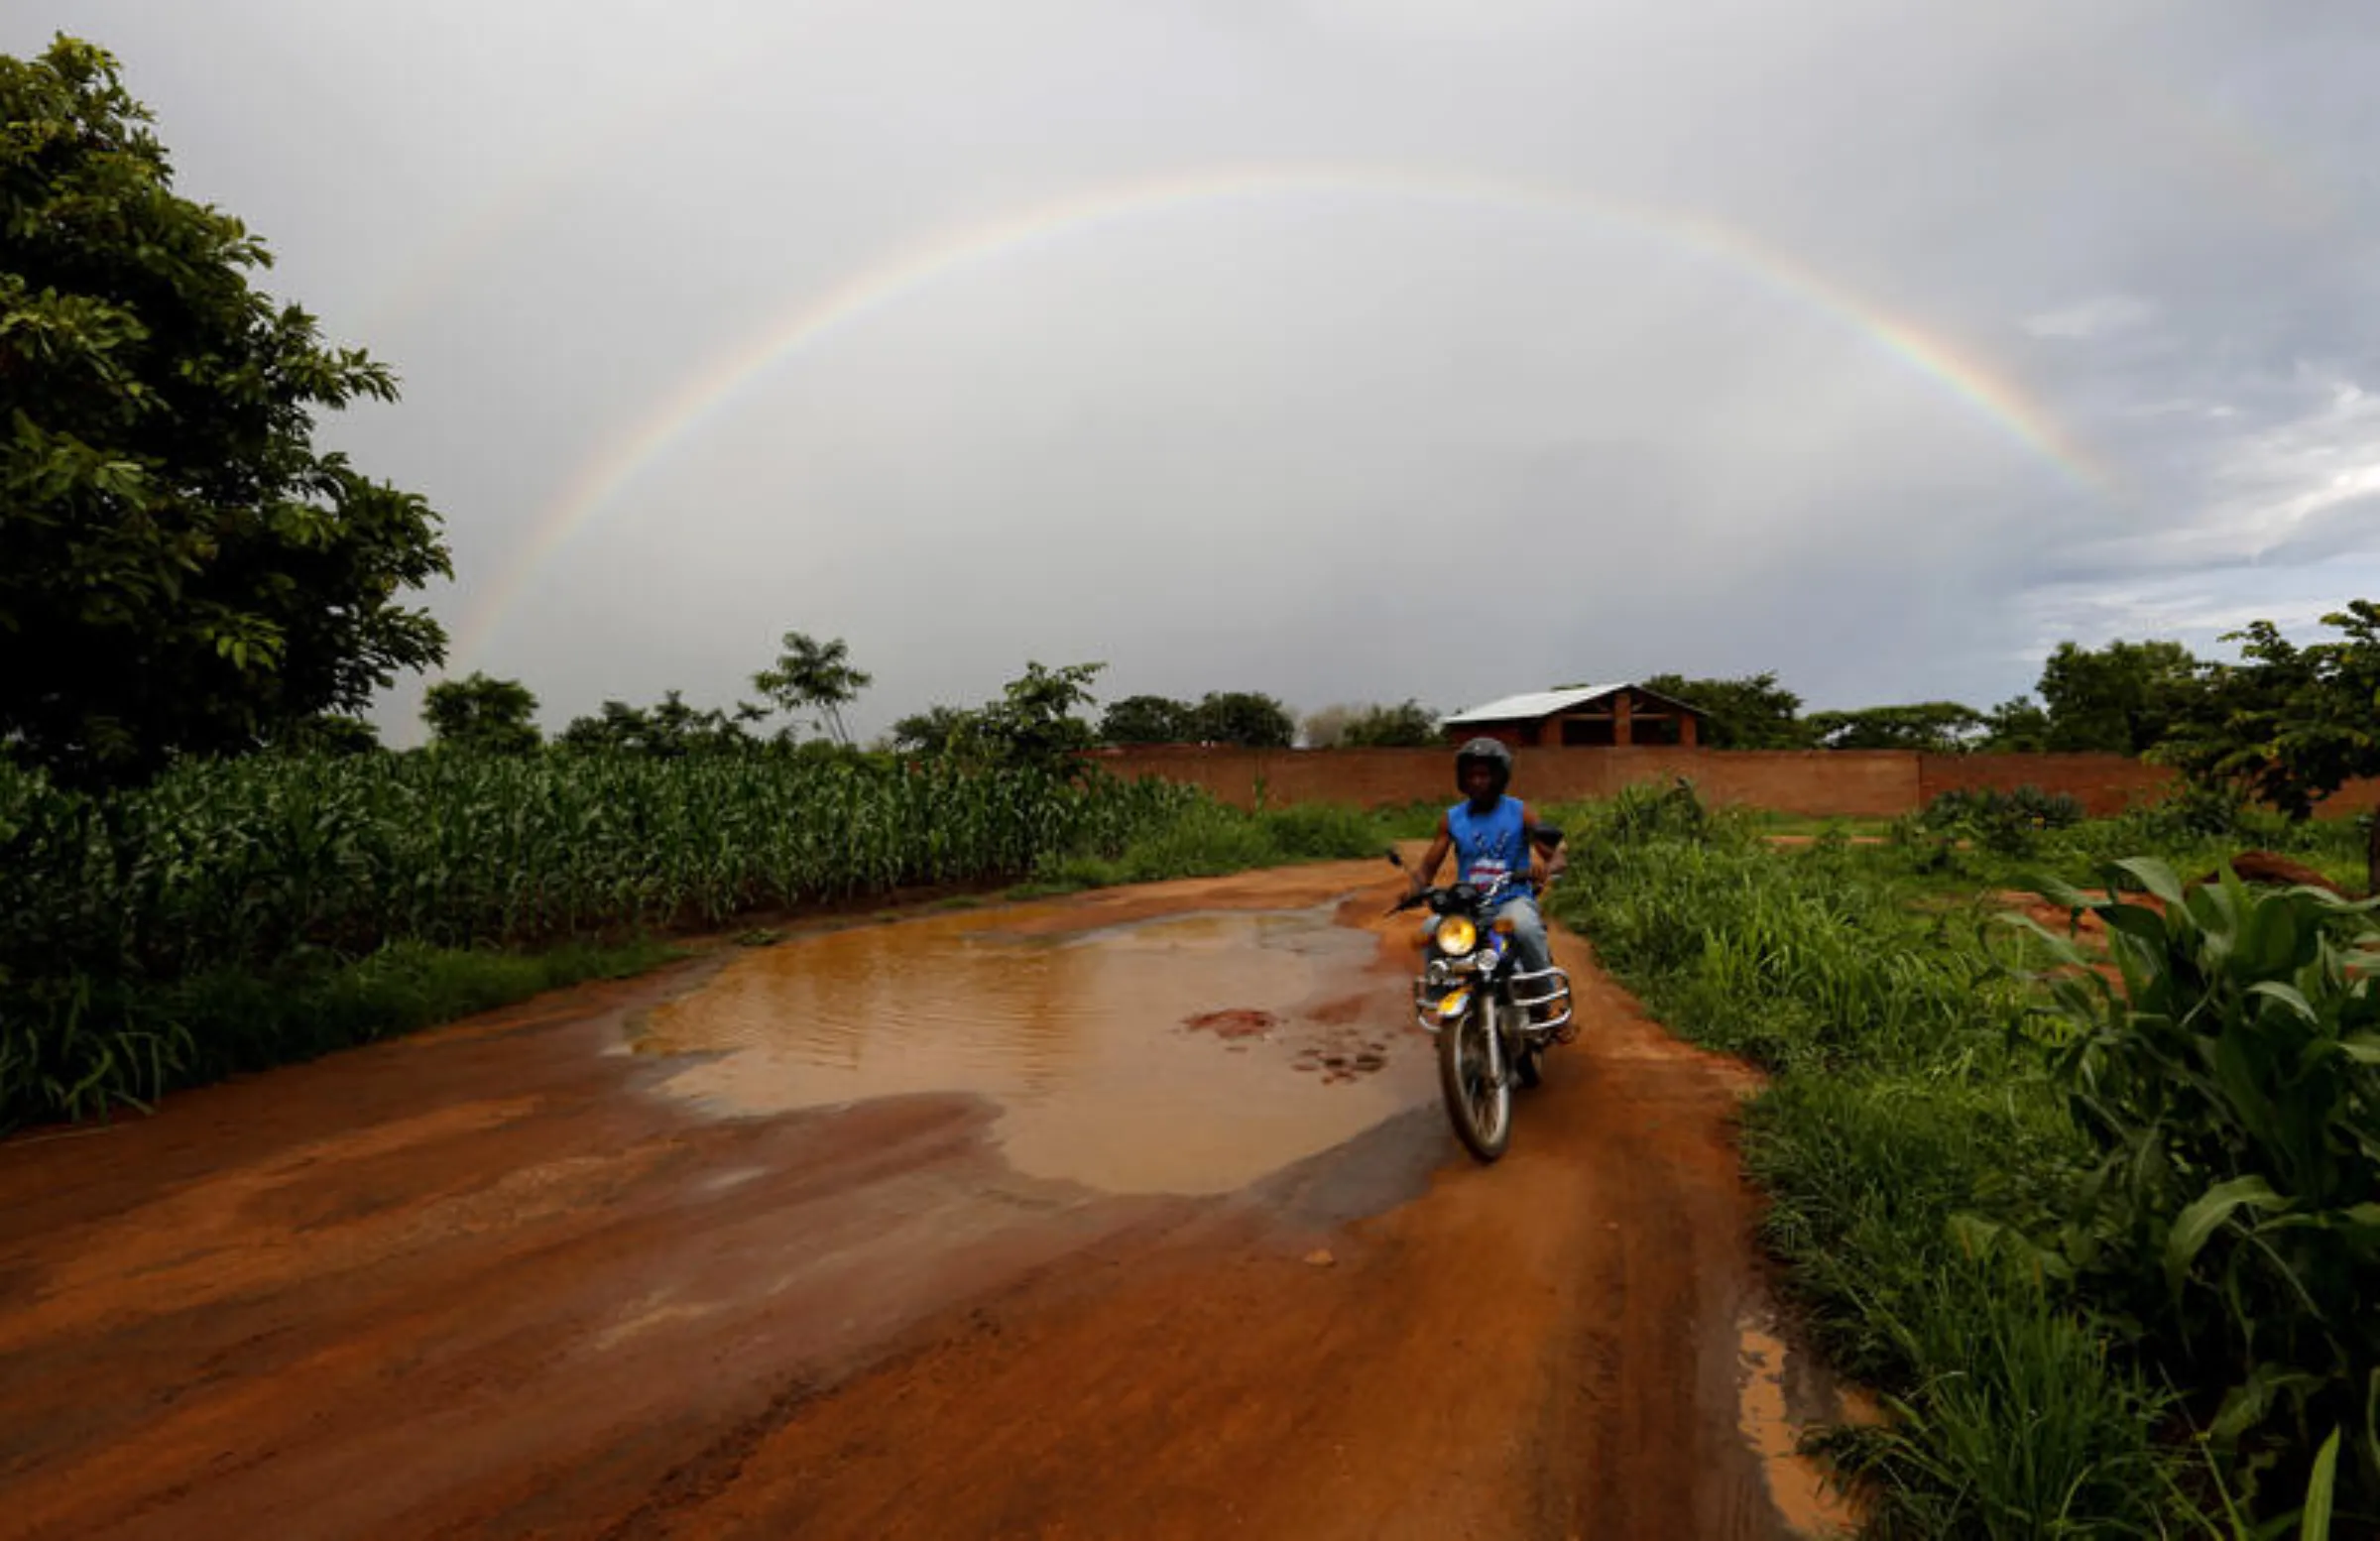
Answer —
1457 935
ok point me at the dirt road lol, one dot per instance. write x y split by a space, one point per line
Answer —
1132 1214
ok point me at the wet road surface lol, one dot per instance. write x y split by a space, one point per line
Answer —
1132 1214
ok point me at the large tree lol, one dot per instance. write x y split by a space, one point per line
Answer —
1245 718
1147 719
2289 725
1936 727
933 731
181 569
2017 726
814 676
1751 712
2120 698
1032 725
670 729
1406 724
482 715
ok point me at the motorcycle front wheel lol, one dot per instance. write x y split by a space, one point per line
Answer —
1478 1103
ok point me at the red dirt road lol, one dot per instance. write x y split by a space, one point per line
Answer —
493 1281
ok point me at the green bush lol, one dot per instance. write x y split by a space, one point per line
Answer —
2229 1086
1318 831
2007 823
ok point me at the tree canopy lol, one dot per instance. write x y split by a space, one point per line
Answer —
667 730
1406 724
1936 727
1750 712
181 569
933 731
1245 718
2121 698
1147 719
482 715
1033 723
817 677
2290 724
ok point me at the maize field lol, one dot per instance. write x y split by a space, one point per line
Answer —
264 863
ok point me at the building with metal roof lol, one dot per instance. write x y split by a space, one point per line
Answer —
1619 714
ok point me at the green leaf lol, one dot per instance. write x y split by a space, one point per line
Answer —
2155 877
2195 1226
2268 935
2315 1523
2247 1404
2289 996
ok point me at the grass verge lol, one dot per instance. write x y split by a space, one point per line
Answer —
1211 839
1910 1116
227 1021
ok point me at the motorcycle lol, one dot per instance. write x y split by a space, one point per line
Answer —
1494 1021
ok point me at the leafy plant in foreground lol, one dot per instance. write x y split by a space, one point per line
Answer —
2229 1083
2006 823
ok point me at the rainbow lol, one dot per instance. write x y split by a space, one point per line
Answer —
714 387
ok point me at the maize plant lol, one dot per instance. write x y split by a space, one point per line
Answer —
253 862
2230 1079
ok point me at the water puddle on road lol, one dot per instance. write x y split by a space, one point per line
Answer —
1190 1055
1805 1494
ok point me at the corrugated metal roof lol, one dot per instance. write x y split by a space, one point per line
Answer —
1537 703
1545 703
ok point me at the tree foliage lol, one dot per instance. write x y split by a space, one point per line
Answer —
1242 718
1033 725
667 730
816 677
482 715
2290 724
181 569
1406 724
1750 712
933 731
2017 726
2118 699
332 734
1148 719
1935 727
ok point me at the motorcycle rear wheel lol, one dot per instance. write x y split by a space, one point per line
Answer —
1480 1108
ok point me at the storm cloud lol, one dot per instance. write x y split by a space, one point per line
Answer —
1341 350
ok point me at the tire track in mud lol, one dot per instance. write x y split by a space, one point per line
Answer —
488 1281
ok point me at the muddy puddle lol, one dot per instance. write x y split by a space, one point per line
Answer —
1188 1054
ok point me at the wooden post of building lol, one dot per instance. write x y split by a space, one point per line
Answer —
1622 729
1687 733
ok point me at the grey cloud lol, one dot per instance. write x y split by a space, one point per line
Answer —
1713 406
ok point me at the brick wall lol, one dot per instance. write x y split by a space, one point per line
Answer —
1882 782
1851 783
2104 784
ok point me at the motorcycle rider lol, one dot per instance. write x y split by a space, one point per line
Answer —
1492 835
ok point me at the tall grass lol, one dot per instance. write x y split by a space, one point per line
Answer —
1916 1123
1208 838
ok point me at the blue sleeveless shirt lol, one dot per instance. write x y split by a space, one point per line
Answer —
1491 844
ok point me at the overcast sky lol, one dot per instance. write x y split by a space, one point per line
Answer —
1344 349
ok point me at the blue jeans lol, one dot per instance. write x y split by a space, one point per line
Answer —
1528 933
